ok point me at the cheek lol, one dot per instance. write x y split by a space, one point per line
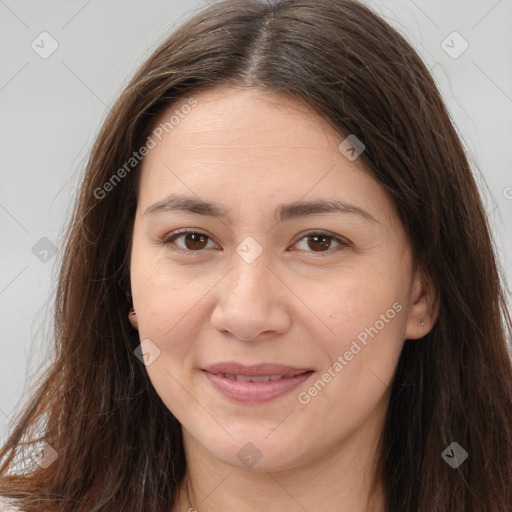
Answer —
362 356
365 318
167 309
171 312
161 294
357 299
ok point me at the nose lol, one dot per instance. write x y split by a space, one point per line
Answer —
251 302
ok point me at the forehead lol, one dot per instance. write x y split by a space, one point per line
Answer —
245 142
243 120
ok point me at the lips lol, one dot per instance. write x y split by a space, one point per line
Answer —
254 383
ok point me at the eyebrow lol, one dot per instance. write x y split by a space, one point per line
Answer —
178 203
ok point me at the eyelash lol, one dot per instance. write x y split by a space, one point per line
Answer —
169 239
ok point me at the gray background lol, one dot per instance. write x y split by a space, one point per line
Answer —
51 110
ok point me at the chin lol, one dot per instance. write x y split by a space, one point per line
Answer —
257 452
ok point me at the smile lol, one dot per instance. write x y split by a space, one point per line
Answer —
253 387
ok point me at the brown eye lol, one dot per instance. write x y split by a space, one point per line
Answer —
317 242
193 241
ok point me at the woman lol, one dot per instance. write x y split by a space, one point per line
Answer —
279 289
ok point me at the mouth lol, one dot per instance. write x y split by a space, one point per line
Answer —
251 378
255 383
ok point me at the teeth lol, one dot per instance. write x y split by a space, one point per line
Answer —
263 378
244 378
248 378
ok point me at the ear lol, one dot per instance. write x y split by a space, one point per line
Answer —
133 320
424 306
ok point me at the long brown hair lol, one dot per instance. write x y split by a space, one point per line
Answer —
118 447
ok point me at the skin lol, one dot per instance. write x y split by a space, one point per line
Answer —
248 151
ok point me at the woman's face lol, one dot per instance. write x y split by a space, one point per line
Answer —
269 276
